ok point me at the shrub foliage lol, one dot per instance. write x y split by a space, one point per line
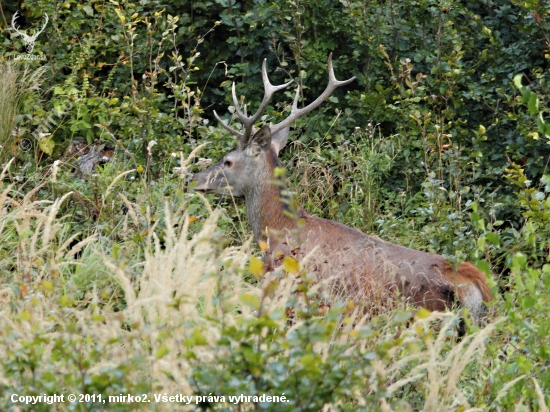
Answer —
127 282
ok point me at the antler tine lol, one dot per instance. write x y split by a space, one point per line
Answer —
13 22
295 102
295 113
44 26
242 116
226 127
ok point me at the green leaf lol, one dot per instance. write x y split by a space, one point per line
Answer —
533 104
291 265
279 171
518 262
481 243
402 316
250 300
88 9
161 352
484 267
493 237
46 144
256 266
517 81
541 124
64 301
422 313
47 285
308 360
476 154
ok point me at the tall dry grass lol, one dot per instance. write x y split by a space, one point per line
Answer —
172 294
183 290
16 81
438 364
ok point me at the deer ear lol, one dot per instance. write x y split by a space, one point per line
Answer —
261 139
279 139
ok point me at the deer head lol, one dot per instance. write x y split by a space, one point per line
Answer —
252 163
29 40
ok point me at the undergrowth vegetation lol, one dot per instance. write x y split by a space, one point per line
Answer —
126 281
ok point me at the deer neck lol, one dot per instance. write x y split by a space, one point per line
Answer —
267 203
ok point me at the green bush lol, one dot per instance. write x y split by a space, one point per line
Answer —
127 283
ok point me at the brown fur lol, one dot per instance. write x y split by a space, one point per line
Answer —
468 274
366 267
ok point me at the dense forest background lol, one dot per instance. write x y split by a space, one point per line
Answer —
440 144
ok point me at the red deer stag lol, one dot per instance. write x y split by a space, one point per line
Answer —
360 264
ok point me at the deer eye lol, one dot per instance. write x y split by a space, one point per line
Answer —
228 163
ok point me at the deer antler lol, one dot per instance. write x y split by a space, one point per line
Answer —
35 35
295 113
14 26
248 121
